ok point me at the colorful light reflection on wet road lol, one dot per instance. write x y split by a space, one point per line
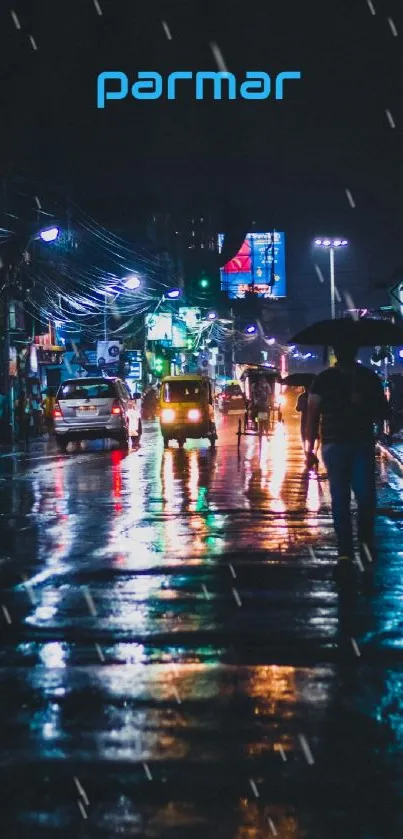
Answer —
177 644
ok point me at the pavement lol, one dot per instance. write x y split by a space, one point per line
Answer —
176 660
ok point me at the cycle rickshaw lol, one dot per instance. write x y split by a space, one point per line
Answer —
257 422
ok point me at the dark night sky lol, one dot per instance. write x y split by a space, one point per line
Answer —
286 164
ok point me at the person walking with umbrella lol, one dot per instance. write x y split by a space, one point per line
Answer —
346 400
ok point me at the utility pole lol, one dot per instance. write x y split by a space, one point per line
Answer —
106 319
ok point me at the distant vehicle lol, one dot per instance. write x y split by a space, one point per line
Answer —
261 420
231 400
187 409
93 408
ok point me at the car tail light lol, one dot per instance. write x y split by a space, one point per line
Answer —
57 414
116 409
194 414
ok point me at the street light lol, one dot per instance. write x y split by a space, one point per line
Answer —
50 234
331 245
212 316
250 330
132 283
173 293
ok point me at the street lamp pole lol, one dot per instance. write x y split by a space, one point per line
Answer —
331 245
332 285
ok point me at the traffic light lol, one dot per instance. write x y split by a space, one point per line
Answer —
158 365
204 281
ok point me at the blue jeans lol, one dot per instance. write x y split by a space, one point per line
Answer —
351 466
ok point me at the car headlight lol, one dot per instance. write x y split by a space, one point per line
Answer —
167 415
194 414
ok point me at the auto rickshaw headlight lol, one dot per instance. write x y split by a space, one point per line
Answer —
167 415
194 414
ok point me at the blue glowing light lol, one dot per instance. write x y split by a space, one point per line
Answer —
50 234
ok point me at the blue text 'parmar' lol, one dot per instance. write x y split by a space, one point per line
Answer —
150 85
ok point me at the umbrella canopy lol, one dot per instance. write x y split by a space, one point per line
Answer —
366 332
298 379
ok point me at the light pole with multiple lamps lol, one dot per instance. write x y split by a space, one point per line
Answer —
331 245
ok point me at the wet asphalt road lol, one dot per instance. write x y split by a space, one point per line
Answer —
176 660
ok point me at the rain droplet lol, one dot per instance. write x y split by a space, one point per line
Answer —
33 42
82 809
271 825
231 568
99 651
319 273
392 27
367 552
355 647
15 19
98 7
89 601
6 614
371 7
254 788
38 203
337 294
306 749
81 791
350 198
167 30
147 771
177 697
359 563
237 597
349 300
29 590
390 119
215 49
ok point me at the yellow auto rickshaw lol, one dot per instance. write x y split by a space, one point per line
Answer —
187 409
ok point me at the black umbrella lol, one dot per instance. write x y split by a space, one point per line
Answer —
366 332
298 379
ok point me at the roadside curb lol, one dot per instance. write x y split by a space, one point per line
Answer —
390 454
8 450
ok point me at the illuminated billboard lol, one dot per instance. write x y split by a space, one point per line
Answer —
166 329
259 266
159 327
179 334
